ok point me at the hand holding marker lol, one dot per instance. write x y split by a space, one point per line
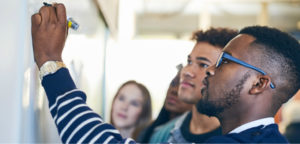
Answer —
71 23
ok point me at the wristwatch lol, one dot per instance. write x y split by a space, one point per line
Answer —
50 67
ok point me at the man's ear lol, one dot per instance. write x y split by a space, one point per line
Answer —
262 83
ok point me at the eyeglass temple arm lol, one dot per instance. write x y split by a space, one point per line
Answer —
246 65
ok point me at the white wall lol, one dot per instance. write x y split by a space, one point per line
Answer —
13 46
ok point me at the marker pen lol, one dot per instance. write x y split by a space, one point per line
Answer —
71 23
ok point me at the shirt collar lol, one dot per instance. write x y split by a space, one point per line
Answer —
263 121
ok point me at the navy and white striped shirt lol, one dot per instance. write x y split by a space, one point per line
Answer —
75 121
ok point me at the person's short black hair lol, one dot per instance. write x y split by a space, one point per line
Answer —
282 52
215 36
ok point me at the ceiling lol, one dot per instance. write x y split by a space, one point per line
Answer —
181 17
178 18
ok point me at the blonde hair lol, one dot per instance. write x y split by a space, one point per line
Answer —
146 114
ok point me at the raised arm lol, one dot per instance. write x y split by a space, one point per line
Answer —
75 121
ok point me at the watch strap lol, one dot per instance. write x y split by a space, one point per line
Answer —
50 67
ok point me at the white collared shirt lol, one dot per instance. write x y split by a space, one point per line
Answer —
263 121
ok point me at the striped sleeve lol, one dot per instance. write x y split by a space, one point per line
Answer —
75 121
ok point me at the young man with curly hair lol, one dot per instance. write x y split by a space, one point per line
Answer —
194 127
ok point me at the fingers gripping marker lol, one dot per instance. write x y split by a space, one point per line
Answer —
71 23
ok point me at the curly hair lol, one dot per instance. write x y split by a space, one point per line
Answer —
215 36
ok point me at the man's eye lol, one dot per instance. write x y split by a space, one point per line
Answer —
189 62
203 65
225 61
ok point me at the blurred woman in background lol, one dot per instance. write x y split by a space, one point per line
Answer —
172 108
131 109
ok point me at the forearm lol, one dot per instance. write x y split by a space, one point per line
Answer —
75 121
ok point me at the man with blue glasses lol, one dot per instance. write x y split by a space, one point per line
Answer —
255 74
225 56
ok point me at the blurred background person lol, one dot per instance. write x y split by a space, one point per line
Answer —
290 124
172 108
131 109
292 132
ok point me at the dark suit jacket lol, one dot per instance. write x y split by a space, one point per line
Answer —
260 134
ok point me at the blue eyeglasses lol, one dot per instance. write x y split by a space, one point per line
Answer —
231 58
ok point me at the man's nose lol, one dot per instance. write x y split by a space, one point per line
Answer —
188 71
211 70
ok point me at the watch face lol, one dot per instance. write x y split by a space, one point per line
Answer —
50 67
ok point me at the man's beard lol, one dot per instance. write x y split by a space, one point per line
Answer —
216 107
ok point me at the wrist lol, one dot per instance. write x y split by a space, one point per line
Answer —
43 59
50 67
